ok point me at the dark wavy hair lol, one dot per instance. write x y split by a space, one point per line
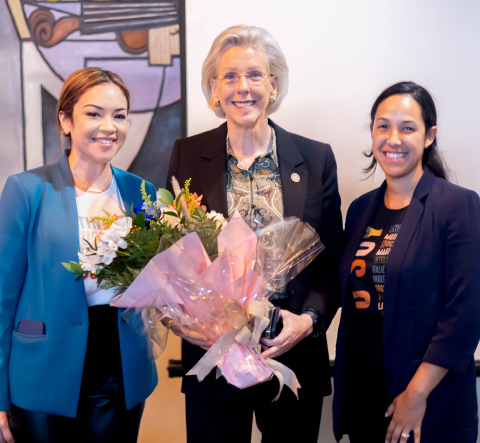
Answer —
431 155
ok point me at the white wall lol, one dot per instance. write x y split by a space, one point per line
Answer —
341 55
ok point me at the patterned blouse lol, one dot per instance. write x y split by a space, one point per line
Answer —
257 191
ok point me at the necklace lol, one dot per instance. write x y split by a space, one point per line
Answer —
85 186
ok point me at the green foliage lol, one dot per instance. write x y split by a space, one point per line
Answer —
143 242
186 189
75 268
165 197
107 220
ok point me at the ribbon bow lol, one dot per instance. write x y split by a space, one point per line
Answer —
246 330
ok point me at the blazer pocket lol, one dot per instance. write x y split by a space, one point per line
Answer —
27 337
314 197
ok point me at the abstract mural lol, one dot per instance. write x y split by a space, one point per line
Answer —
142 41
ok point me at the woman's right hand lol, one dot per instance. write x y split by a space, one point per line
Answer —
5 433
193 337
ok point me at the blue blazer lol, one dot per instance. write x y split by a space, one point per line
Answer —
432 303
39 231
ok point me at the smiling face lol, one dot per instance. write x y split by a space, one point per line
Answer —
399 138
244 104
99 125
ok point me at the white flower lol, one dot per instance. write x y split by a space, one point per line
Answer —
218 217
122 226
170 219
106 252
113 236
90 262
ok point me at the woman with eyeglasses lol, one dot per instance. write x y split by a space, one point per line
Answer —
70 368
252 165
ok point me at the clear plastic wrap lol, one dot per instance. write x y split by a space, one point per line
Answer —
227 299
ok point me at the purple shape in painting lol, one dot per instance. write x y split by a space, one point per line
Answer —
67 57
105 36
171 89
143 81
72 8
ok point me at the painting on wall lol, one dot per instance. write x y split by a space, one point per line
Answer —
142 41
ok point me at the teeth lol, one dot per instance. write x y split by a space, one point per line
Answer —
244 104
101 140
396 154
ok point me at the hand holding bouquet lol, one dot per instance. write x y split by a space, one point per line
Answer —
160 259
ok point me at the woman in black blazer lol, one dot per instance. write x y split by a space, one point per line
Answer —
410 279
252 165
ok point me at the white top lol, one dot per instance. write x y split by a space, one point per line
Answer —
89 206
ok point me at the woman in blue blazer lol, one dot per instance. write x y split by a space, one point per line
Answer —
410 278
70 368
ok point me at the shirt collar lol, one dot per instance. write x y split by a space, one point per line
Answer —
272 151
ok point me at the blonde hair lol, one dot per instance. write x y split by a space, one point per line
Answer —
246 37
78 83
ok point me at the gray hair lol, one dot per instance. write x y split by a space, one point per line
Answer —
246 37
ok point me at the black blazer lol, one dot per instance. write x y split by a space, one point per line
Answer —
314 199
432 303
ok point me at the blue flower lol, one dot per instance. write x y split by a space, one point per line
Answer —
149 212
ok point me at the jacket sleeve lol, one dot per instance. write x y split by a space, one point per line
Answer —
458 330
323 279
14 221
173 166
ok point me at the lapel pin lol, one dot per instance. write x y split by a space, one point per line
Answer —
295 177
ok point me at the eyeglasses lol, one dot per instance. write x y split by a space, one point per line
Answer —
252 78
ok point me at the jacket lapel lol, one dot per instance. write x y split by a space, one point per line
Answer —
357 236
70 217
126 193
212 170
395 259
291 162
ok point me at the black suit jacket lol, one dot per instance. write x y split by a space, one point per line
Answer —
314 199
431 303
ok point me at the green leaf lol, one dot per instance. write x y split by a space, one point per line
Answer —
174 214
68 267
139 220
165 196
75 268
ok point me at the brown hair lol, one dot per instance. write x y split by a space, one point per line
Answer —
81 81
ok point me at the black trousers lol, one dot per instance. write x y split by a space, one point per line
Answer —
102 416
223 413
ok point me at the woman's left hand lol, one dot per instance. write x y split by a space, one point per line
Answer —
408 410
295 329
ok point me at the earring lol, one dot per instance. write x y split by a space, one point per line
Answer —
65 133
272 100
216 104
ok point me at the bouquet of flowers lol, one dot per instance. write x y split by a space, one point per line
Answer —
128 242
225 299
174 263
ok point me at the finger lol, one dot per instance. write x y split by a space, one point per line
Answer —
390 410
404 436
7 435
271 352
202 343
279 340
396 434
417 433
390 429
194 335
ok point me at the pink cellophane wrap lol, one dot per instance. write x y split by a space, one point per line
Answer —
182 284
